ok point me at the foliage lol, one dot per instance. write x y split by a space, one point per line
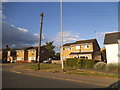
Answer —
81 63
71 62
57 56
55 68
50 47
90 63
100 66
112 66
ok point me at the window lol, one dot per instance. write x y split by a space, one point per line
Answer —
84 57
63 48
87 46
77 47
69 48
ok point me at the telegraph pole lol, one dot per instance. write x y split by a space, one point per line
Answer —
61 27
39 49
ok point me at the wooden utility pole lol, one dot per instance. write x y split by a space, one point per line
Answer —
39 49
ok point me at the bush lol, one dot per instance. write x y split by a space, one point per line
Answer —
112 66
71 61
81 63
89 63
100 66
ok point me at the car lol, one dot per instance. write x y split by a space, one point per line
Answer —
47 61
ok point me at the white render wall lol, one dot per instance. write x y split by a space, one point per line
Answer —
112 53
119 51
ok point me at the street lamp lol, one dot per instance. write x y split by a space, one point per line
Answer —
39 49
61 27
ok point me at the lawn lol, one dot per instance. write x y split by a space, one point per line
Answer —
54 68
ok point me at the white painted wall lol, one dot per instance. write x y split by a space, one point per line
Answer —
119 51
112 53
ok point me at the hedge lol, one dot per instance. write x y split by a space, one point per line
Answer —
81 63
71 62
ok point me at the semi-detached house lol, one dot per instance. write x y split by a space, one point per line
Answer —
88 49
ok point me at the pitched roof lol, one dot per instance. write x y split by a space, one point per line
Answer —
85 41
68 44
112 38
80 42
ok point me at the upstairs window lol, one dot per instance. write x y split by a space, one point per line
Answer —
63 48
87 46
69 48
77 47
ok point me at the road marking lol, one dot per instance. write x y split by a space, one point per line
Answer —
15 71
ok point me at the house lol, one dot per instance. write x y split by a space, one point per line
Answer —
112 45
11 55
88 49
30 54
4 53
33 54
22 54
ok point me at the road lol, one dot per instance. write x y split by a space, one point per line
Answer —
19 80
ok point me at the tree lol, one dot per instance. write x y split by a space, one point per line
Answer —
50 47
57 56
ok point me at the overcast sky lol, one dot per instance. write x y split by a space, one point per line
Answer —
21 22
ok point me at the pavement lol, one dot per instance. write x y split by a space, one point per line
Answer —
99 81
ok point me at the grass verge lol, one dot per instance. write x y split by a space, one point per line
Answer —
54 68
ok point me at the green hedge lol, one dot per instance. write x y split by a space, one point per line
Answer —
81 63
71 62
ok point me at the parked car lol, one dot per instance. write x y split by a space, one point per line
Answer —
47 61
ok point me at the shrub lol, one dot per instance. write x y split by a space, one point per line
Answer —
72 61
112 66
81 63
89 63
100 66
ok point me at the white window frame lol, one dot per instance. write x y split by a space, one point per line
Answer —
77 47
86 46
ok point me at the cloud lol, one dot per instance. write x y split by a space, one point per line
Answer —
17 37
22 29
102 34
67 36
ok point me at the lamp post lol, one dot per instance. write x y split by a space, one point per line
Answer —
61 27
39 49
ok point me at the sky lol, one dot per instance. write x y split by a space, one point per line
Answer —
81 21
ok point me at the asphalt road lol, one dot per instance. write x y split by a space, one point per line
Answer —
18 80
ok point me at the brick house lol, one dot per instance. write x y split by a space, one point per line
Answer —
88 49
33 54
11 55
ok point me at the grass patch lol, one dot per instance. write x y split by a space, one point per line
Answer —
54 68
